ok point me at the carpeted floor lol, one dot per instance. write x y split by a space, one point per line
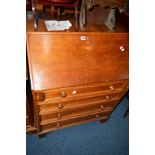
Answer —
110 138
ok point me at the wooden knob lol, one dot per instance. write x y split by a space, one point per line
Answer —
74 92
122 49
107 97
97 116
59 115
63 94
40 97
58 124
101 106
111 87
60 106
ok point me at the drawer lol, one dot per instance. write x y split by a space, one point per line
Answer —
73 103
51 126
81 110
79 91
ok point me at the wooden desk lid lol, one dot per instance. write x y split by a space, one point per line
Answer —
68 59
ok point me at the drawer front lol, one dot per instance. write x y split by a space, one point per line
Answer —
67 59
51 126
97 98
78 91
73 103
81 110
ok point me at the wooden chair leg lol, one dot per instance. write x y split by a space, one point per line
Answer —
44 9
52 10
76 19
83 16
58 12
35 23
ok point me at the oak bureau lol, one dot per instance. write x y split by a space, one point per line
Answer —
76 77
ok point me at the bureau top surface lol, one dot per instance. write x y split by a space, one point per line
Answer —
90 27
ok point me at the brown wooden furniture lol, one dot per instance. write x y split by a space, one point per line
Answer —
106 11
74 4
28 5
76 77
